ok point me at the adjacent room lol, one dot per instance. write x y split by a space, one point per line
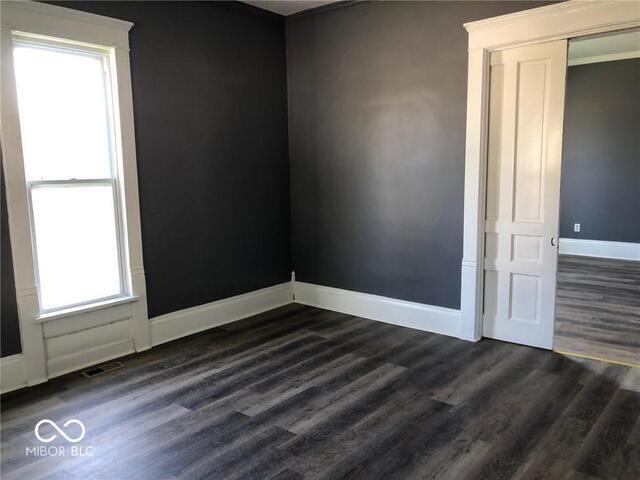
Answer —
302 239
598 293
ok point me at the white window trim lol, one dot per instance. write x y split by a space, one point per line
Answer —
74 311
571 19
64 23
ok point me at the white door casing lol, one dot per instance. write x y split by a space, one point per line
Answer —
564 20
526 107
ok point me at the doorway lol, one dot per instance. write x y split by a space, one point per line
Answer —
573 19
597 293
598 280
542 25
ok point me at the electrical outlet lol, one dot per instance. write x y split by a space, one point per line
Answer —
576 227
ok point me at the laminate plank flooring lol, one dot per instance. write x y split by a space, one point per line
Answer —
598 308
302 393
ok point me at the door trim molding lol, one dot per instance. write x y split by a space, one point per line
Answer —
574 18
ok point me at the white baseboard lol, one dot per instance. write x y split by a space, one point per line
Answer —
600 248
71 351
185 322
196 319
13 374
86 358
445 321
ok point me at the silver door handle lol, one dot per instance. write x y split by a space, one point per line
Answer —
553 241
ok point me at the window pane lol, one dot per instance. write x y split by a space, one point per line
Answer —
76 244
62 101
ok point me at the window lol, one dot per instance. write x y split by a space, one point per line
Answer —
66 112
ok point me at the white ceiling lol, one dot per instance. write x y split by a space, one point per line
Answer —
604 48
288 7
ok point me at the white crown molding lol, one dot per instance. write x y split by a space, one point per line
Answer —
429 318
287 7
600 249
609 57
574 18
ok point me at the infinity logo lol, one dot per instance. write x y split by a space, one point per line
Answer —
53 436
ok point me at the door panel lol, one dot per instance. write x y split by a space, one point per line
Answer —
526 106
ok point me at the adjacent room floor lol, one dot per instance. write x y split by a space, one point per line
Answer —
300 392
598 308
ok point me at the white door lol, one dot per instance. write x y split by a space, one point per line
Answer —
526 107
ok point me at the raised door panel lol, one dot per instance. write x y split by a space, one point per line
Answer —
523 160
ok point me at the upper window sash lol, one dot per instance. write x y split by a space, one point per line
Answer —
97 131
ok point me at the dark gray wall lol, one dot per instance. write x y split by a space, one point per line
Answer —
9 329
209 92
601 152
377 116
377 106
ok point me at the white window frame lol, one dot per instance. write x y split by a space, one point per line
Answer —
105 55
106 34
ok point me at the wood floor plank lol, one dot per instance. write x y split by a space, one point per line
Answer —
564 439
602 454
598 308
304 393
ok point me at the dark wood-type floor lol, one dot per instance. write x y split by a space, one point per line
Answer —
598 308
305 393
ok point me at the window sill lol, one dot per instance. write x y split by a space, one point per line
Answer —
71 312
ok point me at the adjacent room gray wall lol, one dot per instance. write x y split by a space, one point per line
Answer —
377 108
209 94
601 152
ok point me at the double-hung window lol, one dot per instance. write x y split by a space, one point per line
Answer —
67 124
70 176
